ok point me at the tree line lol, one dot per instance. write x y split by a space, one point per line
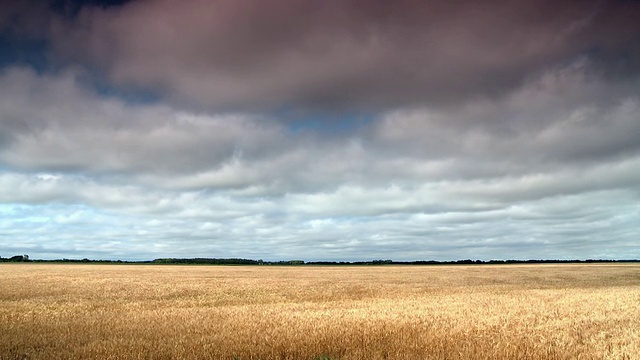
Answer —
15 258
260 262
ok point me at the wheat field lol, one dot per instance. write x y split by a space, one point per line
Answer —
569 311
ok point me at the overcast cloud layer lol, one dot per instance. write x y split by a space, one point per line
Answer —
337 130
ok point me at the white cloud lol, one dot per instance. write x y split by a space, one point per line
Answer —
523 176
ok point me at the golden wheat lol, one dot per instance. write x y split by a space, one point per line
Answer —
53 311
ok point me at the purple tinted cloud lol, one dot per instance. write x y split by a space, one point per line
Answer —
336 54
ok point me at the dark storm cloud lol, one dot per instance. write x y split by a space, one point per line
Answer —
346 54
24 18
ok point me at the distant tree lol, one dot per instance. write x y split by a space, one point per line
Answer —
381 262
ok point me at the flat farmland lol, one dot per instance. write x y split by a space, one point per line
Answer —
568 311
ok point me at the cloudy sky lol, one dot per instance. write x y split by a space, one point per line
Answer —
320 130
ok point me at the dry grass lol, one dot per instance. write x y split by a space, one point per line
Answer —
393 312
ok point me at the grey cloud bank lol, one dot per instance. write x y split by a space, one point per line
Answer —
480 142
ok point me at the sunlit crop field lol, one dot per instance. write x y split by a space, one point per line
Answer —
53 311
